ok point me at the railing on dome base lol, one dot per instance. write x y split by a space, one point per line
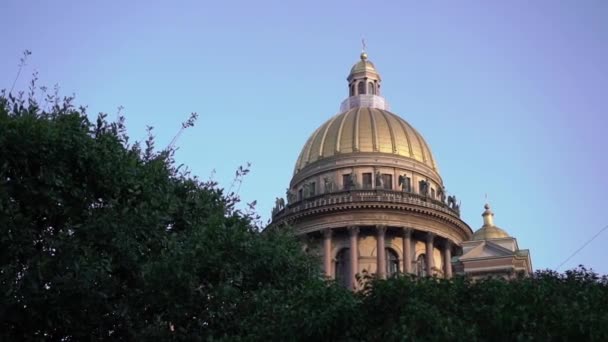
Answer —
365 195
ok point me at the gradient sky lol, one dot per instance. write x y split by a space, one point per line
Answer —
511 96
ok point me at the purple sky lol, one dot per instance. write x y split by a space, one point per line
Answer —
511 96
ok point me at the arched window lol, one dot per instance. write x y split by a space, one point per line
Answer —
351 90
421 265
370 88
343 267
392 262
361 88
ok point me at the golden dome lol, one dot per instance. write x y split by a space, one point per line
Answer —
489 230
364 65
365 130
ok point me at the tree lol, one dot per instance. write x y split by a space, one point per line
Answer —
102 239
547 306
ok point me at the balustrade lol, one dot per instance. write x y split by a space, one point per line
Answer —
365 195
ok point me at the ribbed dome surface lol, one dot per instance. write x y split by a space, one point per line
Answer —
363 66
365 130
489 232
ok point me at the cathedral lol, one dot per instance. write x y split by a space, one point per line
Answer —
366 196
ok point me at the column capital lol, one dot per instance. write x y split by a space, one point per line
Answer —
430 237
381 229
447 243
353 230
407 232
327 232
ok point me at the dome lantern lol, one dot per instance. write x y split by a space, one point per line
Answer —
364 85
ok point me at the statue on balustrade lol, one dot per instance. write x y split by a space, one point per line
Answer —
441 193
405 183
291 196
424 188
306 190
329 184
351 181
379 180
279 204
453 203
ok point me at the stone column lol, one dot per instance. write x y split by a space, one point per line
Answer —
381 252
447 259
407 250
327 252
374 180
430 237
353 232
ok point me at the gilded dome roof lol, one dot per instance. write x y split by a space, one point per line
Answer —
489 232
362 130
364 65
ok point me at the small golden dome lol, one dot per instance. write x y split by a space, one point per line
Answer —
364 65
492 232
364 130
489 230
363 68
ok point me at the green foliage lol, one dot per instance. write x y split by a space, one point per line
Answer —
545 307
101 239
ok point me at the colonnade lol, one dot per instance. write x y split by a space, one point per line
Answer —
353 232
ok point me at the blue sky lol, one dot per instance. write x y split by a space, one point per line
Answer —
511 96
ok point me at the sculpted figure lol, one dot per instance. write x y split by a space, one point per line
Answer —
441 194
279 204
424 188
452 203
306 190
352 181
457 207
276 209
329 184
379 180
291 196
404 182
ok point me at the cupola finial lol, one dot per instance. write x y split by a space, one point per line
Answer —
363 49
488 216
